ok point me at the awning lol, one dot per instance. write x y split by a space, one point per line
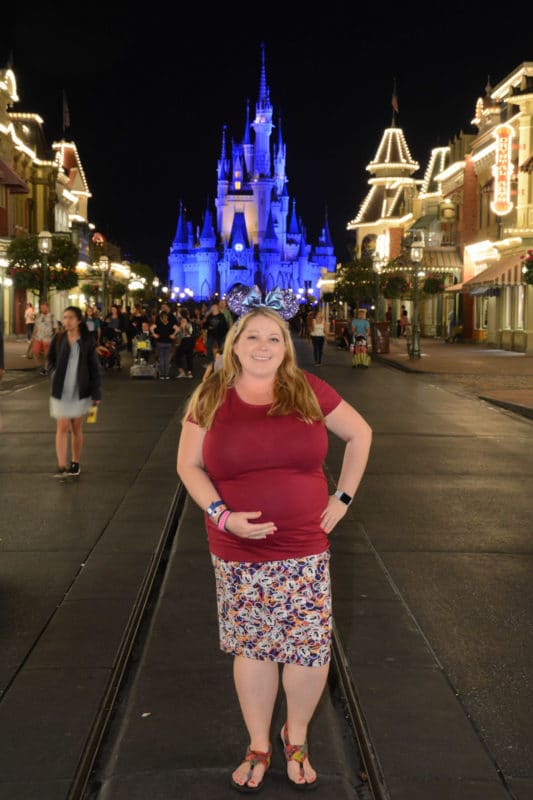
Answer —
442 259
484 291
502 271
425 222
456 287
10 178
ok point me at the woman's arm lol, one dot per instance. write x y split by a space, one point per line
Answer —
190 466
346 423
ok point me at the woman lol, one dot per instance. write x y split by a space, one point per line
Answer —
185 350
165 333
29 320
73 362
251 450
92 320
317 337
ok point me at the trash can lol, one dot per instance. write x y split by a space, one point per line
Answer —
380 334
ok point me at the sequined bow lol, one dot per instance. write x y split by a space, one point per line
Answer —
242 299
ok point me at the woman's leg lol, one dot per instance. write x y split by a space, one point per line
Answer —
303 688
320 348
163 352
315 349
189 353
62 429
256 683
76 427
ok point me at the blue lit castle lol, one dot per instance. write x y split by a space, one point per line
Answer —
257 238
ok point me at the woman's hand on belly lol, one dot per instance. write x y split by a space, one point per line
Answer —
238 523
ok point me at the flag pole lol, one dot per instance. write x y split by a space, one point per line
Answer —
394 101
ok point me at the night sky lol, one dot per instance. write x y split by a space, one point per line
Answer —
148 95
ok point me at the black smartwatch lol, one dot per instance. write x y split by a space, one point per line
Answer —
343 497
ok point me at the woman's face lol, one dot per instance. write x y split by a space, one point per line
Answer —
70 321
260 347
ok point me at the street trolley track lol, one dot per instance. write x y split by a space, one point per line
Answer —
373 776
81 788
102 720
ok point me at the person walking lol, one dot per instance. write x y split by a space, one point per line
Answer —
44 329
29 320
318 336
185 351
165 334
253 441
75 387
216 327
404 323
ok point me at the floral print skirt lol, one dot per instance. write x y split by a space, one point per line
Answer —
275 610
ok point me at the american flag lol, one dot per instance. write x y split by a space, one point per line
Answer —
66 113
395 99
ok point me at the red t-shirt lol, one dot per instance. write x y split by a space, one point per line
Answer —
273 465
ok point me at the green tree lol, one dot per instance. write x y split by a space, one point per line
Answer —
26 264
356 282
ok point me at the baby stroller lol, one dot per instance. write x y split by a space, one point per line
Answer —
109 351
359 349
142 366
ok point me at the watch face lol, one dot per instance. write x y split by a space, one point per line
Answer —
344 498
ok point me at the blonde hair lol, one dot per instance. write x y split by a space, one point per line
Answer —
292 393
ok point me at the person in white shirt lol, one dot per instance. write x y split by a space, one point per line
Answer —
317 337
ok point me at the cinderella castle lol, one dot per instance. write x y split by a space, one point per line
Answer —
257 237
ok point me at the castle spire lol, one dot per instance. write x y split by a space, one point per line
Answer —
223 163
246 138
264 94
326 235
262 125
181 239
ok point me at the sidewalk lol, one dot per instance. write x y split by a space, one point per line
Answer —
501 377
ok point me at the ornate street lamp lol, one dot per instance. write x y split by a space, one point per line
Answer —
44 243
417 253
104 268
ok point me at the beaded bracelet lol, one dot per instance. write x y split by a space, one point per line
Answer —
221 522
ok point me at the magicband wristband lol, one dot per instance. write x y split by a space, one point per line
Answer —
212 511
221 522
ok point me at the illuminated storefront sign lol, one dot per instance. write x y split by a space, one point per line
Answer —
502 171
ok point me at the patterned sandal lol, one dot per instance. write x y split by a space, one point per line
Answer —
253 757
297 752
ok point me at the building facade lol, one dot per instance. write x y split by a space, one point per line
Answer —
474 206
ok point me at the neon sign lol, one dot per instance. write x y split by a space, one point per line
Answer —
502 171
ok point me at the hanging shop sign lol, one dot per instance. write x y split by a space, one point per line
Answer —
502 171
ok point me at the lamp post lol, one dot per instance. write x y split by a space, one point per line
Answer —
44 243
104 268
378 265
417 253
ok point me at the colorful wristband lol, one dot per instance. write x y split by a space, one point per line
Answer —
221 522
214 509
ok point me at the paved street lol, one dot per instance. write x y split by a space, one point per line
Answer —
432 595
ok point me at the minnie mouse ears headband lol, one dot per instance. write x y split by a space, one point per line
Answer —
241 299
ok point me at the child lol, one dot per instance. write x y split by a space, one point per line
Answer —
214 365
142 343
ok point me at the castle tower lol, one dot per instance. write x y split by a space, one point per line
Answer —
252 241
